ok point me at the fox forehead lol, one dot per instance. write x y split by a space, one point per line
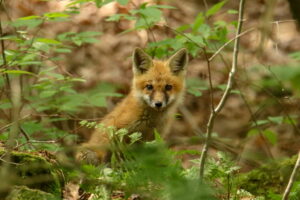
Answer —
159 74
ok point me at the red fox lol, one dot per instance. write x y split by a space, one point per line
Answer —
157 90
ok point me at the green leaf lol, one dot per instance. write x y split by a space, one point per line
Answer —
261 122
198 22
194 91
204 30
4 136
295 55
24 63
215 8
5 105
253 132
78 80
97 100
31 127
196 38
56 15
134 137
47 93
48 41
41 46
16 72
77 41
163 6
188 151
90 40
277 119
77 2
157 137
195 86
11 37
98 3
231 11
29 17
30 22
123 2
222 86
271 136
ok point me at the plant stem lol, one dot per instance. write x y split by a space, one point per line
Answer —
292 179
222 102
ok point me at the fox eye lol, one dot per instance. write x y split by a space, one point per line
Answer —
168 87
149 87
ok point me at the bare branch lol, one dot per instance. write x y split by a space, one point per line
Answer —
292 179
222 102
228 42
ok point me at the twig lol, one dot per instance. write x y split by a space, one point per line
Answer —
9 162
2 46
212 107
4 65
221 104
253 116
36 141
228 42
292 179
27 137
260 132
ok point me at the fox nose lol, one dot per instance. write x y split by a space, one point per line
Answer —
158 104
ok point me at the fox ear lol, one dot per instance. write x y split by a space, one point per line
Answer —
141 61
178 61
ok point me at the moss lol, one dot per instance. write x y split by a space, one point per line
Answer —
24 193
270 178
34 171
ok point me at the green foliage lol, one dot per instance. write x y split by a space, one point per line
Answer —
153 168
22 193
148 169
195 86
262 127
46 91
269 180
27 169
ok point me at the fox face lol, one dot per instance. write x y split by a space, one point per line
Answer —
159 84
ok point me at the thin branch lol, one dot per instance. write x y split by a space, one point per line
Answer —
242 34
36 141
27 137
2 46
4 65
252 114
267 148
292 179
212 107
228 42
222 102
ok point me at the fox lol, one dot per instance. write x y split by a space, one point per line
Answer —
157 90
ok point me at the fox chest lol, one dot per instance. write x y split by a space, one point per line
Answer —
146 125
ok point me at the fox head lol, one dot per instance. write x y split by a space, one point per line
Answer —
159 84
